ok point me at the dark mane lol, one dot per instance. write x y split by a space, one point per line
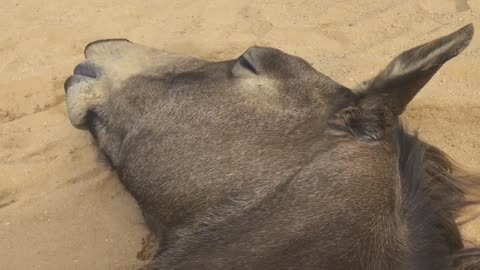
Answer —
431 194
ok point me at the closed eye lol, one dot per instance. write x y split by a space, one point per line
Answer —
247 64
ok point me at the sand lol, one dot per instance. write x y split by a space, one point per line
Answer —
61 207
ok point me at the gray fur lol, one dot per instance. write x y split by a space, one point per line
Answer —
262 162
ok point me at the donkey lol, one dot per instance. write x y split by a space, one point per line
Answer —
262 162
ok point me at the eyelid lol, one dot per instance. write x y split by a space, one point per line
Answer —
243 61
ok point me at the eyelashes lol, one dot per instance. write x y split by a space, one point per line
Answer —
246 64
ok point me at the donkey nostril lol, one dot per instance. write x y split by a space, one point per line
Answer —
87 69
69 82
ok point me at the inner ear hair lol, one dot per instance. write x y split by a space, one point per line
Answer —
367 119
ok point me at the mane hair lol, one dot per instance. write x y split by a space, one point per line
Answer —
431 193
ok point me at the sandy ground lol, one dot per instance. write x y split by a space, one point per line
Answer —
61 207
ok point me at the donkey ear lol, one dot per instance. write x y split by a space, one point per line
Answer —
373 110
401 80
